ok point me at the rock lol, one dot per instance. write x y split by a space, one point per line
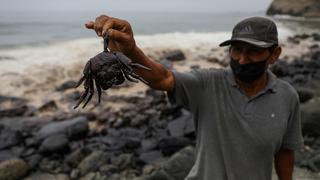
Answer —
170 145
305 8
14 111
13 169
12 106
25 124
304 94
76 157
57 143
75 173
109 169
93 162
49 106
138 120
177 167
71 96
123 161
310 118
34 160
53 166
47 176
149 144
72 127
9 137
6 155
89 176
312 161
181 126
150 157
176 55
66 85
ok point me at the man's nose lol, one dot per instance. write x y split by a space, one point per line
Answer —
243 58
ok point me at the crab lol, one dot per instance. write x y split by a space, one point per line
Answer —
105 70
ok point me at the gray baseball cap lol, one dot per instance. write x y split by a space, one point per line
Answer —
258 31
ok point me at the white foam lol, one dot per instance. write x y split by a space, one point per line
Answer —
66 53
182 40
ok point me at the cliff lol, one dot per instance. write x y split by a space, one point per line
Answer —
303 8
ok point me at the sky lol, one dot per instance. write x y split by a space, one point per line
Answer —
216 6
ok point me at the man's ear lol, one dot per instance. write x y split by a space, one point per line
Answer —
275 55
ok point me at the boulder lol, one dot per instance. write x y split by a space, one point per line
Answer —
13 169
150 157
181 126
305 8
12 106
76 157
57 143
310 118
73 128
93 162
47 176
177 167
66 85
49 106
124 161
170 145
9 137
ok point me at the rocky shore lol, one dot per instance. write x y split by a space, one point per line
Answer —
135 133
301 8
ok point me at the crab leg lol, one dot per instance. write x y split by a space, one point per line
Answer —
98 89
80 81
91 86
83 96
140 66
129 78
138 77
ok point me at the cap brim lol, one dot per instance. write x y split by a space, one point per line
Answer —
247 40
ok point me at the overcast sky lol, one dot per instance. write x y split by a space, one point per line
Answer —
136 5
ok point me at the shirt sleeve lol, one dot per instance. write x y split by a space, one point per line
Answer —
189 88
293 138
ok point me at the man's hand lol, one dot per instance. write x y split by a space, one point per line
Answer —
119 32
121 39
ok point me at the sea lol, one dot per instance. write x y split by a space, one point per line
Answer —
37 40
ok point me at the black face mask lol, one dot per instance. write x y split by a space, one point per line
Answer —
248 72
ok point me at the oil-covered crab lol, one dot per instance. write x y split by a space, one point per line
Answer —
105 70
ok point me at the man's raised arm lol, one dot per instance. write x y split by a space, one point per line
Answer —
122 39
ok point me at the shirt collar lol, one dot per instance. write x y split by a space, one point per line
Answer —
271 84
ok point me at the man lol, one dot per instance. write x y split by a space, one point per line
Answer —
246 119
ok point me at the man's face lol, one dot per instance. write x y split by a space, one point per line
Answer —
246 53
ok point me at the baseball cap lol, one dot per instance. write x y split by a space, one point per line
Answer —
258 31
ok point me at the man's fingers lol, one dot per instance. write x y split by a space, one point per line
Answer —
117 35
90 25
108 25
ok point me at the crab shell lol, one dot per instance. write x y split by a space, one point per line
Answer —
107 67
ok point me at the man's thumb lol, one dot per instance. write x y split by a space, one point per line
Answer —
90 25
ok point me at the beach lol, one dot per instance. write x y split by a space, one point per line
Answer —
134 133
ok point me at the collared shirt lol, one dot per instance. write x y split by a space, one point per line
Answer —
237 137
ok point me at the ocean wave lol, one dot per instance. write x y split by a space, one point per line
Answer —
79 50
